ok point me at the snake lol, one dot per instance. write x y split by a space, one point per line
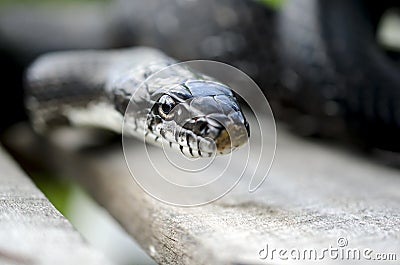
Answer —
139 91
290 57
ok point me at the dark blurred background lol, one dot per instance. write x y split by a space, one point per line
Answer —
329 68
228 31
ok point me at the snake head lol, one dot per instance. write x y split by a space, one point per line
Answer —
200 117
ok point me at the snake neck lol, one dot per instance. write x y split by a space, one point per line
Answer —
83 87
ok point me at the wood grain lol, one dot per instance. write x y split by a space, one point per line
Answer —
32 231
315 194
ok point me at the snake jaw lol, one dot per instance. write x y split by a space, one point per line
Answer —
199 137
216 133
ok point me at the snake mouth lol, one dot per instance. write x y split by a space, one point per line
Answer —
202 137
217 134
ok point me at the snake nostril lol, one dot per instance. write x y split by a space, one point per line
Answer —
201 127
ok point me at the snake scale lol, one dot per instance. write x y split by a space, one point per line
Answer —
191 112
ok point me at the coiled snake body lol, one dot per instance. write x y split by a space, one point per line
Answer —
189 111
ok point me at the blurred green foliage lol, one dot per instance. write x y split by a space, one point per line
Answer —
57 189
273 3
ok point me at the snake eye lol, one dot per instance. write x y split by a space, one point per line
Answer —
165 106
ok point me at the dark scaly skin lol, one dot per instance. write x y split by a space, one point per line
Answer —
190 111
224 30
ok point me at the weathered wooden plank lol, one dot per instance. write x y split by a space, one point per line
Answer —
32 231
314 196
